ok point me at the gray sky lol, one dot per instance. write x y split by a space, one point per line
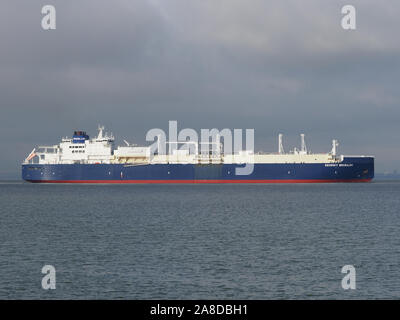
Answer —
132 65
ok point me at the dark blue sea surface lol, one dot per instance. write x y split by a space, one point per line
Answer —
271 241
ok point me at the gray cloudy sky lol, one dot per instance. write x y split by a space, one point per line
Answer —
132 65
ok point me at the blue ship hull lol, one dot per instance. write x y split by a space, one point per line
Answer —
351 169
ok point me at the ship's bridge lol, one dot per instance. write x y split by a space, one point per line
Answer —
78 149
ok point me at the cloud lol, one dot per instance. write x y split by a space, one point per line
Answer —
133 65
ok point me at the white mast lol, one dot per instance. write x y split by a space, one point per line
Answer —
303 144
280 150
100 135
335 144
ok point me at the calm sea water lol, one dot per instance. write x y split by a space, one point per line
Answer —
200 241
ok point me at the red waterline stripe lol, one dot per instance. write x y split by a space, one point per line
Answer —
202 181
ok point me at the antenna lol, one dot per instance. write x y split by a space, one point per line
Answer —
280 150
127 143
303 143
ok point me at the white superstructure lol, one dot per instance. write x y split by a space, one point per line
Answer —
81 149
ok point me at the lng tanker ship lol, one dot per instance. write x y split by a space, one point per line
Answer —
81 159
